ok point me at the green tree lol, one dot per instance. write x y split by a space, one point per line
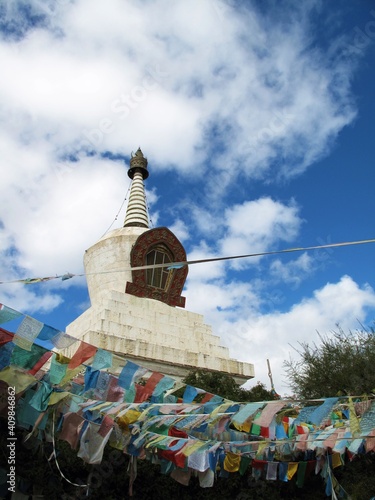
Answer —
341 364
225 386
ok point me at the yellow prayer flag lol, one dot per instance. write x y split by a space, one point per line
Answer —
129 417
70 374
16 378
292 469
259 453
336 460
64 360
246 426
221 409
232 462
353 420
57 396
191 448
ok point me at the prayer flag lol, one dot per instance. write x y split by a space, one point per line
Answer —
26 359
272 471
26 333
292 469
7 314
189 394
47 332
232 462
62 340
301 474
162 386
5 337
283 470
57 371
38 365
322 411
83 353
266 417
103 359
127 374
6 354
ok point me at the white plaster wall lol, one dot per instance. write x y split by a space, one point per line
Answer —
107 259
149 330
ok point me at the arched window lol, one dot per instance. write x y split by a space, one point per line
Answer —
158 246
158 277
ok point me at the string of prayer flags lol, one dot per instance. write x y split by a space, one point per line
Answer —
27 332
30 281
8 314
83 353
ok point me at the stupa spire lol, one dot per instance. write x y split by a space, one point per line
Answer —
136 212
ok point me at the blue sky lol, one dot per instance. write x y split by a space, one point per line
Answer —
257 122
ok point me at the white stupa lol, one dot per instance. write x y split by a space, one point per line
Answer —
139 314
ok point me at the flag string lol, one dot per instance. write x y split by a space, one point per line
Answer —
181 264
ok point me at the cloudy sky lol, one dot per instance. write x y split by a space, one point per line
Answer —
257 121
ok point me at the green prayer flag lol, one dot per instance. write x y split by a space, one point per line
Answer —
26 359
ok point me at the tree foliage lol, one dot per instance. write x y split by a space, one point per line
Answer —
341 364
225 386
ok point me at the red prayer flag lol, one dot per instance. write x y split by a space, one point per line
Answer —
207 397
38 365
83 353
143 392
5 337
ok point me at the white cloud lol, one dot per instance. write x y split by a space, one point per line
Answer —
257 337
292 272
256 225
210 91
180 229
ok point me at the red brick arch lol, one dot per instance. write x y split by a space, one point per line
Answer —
144 244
